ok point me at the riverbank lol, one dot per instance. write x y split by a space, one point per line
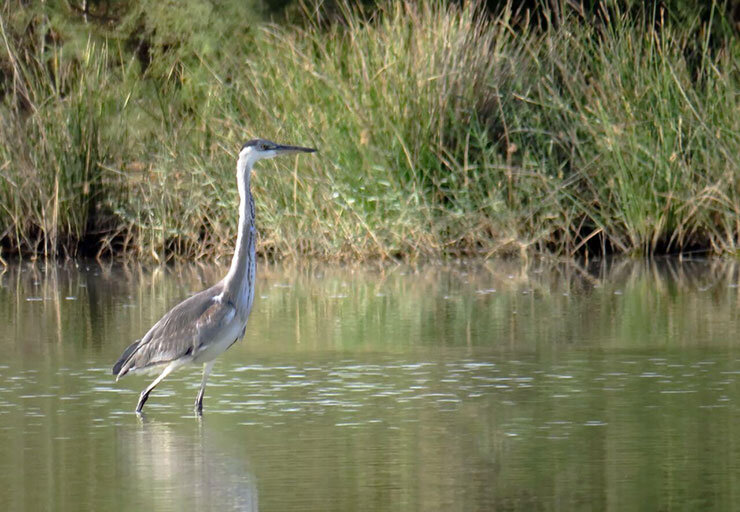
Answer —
442 132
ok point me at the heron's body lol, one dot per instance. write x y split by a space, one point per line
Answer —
203 326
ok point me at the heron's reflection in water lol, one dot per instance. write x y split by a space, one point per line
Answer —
186 471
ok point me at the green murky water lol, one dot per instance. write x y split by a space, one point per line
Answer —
483 387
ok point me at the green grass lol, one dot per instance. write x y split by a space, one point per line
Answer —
442 132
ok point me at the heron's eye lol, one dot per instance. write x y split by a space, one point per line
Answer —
263 147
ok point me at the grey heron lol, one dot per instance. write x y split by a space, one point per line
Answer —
203 326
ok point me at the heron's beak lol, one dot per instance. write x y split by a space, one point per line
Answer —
288 150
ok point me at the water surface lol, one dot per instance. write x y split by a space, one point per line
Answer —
493 386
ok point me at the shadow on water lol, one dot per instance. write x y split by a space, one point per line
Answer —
184 469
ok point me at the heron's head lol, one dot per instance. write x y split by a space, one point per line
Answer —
258 149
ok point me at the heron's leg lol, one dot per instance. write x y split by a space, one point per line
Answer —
207 367
145 394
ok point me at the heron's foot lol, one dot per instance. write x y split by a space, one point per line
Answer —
142 400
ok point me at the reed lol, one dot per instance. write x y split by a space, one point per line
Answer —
443 132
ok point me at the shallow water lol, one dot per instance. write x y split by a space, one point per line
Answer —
483 387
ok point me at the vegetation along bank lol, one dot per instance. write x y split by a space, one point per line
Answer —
443 130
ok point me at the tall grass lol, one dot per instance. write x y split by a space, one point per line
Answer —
50 150
442 132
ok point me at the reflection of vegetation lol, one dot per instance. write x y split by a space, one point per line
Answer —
568 383
503 307
443 130
622 306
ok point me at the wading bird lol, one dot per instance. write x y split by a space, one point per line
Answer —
201 327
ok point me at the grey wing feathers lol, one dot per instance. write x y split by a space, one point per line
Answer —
177 334
124 357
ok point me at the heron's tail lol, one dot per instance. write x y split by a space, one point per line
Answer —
124 358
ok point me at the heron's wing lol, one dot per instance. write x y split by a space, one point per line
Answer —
181 331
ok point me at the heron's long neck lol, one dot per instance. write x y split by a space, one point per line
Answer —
239 282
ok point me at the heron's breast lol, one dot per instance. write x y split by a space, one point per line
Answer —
225 337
